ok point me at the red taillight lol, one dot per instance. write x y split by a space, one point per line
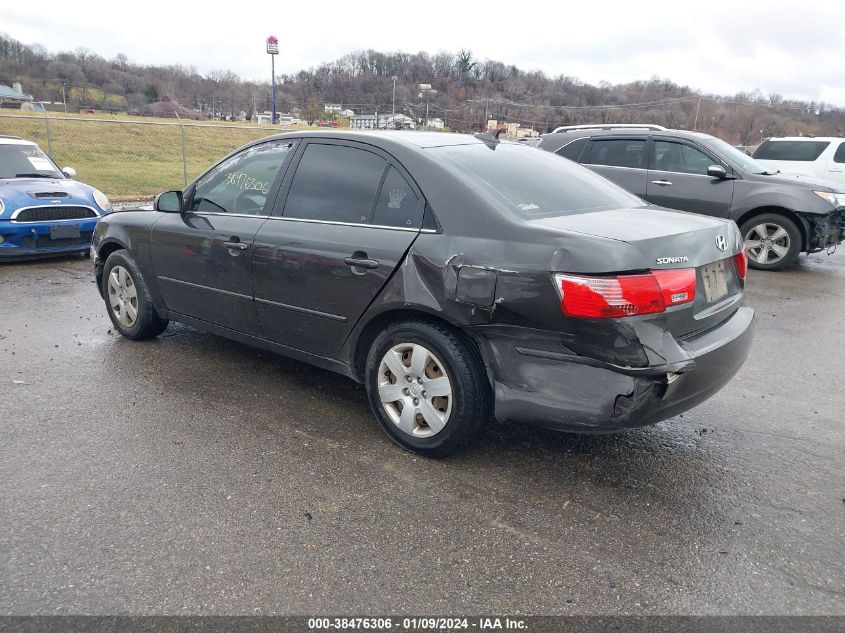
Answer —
625 295
678 285
741 263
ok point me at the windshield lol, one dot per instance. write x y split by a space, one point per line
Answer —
537 183
738 157
25 160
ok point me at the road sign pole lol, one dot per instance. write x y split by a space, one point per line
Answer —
272 51
273 82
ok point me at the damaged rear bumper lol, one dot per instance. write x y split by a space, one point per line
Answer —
577 393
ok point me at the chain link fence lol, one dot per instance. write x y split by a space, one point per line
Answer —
133 159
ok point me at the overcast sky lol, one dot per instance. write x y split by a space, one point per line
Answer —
793 48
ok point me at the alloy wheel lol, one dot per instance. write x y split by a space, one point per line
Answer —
767 243
415 390
123 296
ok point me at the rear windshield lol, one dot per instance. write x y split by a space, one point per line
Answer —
537 183
791 150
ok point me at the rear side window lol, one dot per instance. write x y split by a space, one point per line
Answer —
791 150
335 183
397 203
839 156
618 153
573 150
536 184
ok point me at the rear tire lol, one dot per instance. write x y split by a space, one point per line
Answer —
128 300
427 387
772 241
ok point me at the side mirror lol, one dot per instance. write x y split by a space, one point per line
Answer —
717 171
69 172
168 202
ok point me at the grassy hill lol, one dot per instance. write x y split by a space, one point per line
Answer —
132 158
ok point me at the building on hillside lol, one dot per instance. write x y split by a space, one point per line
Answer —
363 122
333 108
264 118
527 132
13 97
282 118
381 122
289 119
512 130
346 112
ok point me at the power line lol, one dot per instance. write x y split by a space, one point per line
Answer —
644 104
590 107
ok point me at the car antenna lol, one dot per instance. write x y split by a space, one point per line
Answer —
491 138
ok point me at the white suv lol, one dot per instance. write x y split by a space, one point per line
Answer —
815 156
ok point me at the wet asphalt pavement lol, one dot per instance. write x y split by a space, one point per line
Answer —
196 475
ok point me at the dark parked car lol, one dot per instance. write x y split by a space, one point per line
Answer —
458 277
779 215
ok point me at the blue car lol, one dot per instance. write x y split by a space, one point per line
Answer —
43 211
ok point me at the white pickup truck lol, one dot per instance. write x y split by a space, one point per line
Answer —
814 156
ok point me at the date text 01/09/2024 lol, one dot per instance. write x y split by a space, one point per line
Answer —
416 624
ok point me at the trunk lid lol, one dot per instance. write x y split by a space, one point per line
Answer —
666 239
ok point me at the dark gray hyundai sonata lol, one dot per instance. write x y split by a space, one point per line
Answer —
458 277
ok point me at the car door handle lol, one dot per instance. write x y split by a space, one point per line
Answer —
238 245
358 262
662 183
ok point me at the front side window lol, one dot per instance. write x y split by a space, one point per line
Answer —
680 158
26 161
732 154
839 156
241 183
335 183
618 153
800 151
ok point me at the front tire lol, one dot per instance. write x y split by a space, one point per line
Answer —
427 387
128 300
772 241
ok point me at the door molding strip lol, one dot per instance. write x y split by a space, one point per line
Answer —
285 306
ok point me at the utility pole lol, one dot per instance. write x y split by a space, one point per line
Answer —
394 101
697 108
428 91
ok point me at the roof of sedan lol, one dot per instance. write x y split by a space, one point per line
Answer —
422 140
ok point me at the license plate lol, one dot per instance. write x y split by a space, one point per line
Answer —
64 231
715 281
